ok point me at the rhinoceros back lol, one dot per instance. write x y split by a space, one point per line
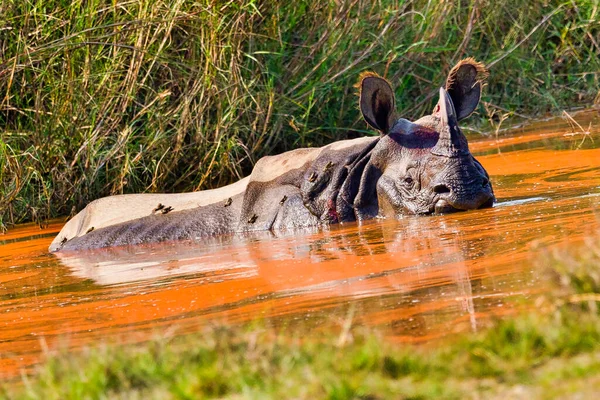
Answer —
296 189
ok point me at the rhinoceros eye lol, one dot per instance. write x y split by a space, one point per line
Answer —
408 180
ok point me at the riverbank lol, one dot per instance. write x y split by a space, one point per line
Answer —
553 352
167 97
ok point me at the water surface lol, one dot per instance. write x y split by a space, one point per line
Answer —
414 280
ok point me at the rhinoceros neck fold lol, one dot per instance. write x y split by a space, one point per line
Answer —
349 207
319 191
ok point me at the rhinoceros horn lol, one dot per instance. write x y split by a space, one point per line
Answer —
451 142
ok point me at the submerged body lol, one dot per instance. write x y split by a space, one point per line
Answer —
267 199
419 168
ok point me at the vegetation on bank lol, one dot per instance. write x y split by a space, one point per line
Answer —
553 352
99 98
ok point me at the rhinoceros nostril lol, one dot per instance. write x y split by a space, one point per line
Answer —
439 189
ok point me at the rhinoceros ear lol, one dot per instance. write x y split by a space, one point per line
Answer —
377 102
464 86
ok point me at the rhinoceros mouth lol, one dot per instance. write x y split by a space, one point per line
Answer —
442 206
489 203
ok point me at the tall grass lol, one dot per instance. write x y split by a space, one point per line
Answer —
99 98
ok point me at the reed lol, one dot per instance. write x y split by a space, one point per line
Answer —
100 98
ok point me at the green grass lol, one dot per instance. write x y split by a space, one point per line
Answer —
259 364
551 353
99 98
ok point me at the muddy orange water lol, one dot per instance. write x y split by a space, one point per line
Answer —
415 279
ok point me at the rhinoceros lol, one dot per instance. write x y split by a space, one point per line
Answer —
419 167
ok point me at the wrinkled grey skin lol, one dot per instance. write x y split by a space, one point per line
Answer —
417 167
425 177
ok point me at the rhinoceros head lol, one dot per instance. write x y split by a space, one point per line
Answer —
425 166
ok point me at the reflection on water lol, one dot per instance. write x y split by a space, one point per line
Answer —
413 280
